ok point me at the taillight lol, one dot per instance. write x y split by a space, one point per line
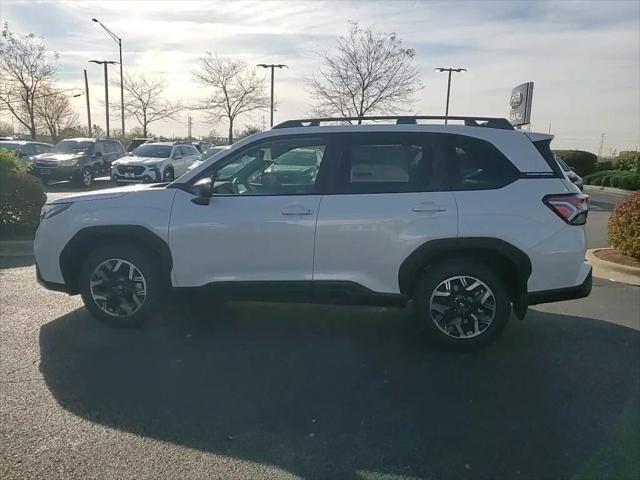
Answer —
570 207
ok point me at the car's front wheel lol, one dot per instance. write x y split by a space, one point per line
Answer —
168 176
84 178
122 285
462 304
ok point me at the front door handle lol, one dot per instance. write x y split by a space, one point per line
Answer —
429 207
297 210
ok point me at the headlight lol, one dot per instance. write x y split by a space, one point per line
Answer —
52 209
69 162
153 165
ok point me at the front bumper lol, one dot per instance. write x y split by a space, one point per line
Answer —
56 287
148 175
558 295
55 173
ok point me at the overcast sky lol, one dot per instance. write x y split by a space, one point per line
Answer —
583 56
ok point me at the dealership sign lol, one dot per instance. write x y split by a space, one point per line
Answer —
520 104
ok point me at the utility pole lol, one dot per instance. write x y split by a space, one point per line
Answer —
272 67
448 69
106 88
601 149
86 94
188 125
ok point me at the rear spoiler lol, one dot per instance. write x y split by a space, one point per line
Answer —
537 137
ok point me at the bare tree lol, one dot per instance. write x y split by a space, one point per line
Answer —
54 113
236 89
368 73
143 100
25 72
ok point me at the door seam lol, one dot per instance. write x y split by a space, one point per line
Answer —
315 233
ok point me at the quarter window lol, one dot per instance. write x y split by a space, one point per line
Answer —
476 164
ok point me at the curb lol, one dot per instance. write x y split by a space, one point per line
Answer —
609 189
16 248
613 271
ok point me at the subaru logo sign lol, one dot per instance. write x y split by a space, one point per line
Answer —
520 104
516 100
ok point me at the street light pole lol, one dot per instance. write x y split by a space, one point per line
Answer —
106 88
272 66
449 70
118 40
86 92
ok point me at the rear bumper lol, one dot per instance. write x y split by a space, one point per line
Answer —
570 293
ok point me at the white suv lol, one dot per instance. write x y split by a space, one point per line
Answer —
467 222
154 162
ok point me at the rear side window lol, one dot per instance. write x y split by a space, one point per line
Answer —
390 163
476 164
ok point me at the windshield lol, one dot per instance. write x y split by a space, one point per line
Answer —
10 146
72 146
156 151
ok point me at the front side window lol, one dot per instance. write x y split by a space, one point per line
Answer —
273 167
388 163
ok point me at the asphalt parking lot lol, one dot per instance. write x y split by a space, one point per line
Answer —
257 390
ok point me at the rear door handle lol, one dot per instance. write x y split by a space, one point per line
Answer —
428 207
297 210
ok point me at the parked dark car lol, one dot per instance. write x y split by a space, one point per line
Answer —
26 150
202 146
78 159
136 142
571 174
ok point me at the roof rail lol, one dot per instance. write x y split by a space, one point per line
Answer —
487 122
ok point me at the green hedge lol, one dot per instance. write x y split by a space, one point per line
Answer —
21 195
582 162
614 178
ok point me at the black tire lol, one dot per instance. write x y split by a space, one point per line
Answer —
434 277
84 178
168 175
155 280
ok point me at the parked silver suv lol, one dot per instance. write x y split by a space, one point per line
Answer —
154 162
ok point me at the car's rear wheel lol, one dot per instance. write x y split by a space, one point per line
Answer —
122 285
461 304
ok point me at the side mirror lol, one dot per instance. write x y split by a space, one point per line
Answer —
203 190
97 155
177 156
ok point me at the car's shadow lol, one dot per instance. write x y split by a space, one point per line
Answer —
71 187
329 392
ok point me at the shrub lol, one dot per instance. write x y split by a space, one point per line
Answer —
21 198
10 164
606 165
624 226
629 161
583 162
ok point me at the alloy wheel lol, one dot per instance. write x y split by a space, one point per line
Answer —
462 307
118 287
86 177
